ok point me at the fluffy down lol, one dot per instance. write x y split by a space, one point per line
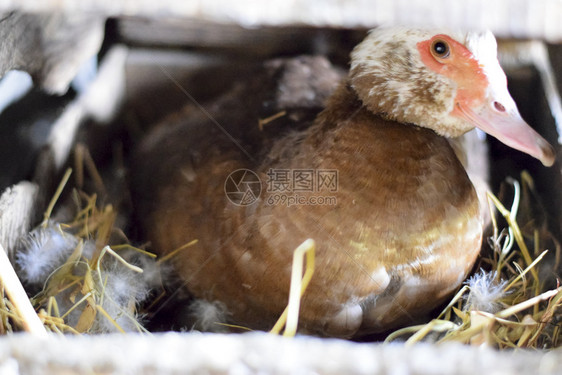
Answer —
116 288
485 292
42 251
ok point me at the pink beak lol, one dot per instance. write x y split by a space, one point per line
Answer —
509 128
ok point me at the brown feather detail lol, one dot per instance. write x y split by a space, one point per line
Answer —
405 228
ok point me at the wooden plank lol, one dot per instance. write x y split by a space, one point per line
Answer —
506 18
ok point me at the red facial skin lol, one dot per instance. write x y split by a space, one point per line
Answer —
461 66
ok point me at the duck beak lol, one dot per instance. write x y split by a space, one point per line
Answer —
505 124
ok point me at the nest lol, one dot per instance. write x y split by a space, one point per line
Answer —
86 277
89 283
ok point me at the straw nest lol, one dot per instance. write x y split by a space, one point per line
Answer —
83 275
87 283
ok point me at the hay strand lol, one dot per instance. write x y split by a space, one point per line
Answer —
56 197
299 283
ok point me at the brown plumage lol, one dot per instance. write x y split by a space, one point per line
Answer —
402 235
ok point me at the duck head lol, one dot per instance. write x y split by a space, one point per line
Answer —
450 82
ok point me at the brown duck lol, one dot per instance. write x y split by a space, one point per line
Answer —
404 229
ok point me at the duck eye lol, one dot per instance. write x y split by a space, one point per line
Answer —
440 49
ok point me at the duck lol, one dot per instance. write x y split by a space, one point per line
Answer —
396 220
